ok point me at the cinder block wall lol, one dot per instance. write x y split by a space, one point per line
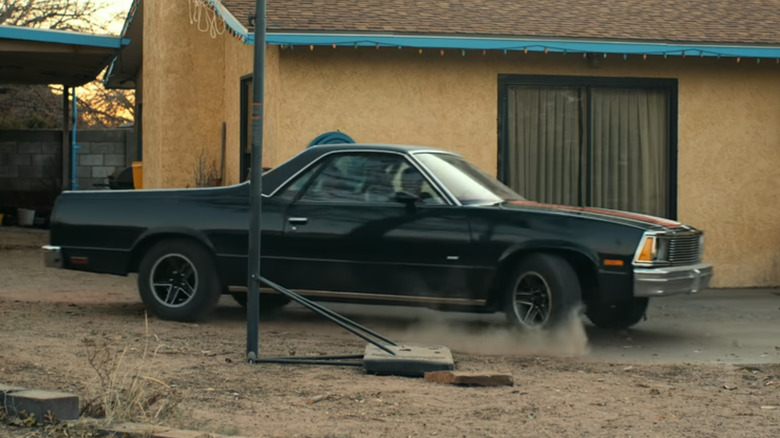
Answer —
31 160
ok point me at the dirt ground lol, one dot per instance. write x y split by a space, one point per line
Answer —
88 334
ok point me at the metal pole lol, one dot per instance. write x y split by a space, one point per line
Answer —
74 180
65 141
256 187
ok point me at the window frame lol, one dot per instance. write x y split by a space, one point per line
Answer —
670 85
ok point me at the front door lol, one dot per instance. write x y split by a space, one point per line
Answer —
348 231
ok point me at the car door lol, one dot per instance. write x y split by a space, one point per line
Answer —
347 231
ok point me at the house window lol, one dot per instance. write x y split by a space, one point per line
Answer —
599 142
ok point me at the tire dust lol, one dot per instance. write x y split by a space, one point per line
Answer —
568 340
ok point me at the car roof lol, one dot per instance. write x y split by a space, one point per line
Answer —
378 147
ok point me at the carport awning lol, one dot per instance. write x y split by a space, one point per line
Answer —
37 56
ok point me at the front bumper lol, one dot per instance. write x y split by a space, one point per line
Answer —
52 256
661 282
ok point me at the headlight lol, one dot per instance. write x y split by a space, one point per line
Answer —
652 249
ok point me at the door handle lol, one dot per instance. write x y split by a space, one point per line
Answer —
298 220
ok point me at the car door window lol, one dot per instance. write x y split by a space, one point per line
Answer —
366 177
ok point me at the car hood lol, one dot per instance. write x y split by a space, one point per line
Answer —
638 220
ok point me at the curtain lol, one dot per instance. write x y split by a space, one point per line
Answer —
629 148
545 143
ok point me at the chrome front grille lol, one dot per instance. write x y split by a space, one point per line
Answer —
684 249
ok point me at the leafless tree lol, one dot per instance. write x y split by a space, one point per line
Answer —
75 15
40 106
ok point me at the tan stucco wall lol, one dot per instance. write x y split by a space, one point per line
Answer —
728 142
183 95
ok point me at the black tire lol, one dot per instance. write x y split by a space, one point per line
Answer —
619 315
543 292
178 281
269 303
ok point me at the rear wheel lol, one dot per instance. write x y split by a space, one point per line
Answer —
178 281
543 292
618 315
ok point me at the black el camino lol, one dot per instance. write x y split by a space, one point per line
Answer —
386 225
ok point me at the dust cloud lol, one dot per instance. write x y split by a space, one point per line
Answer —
568 340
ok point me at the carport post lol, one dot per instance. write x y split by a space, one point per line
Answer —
256 187
65 143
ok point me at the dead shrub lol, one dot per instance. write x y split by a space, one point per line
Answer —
124 389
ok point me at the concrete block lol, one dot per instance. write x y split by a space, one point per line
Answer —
90 159
51 147
102 148
44 160
30 172
7 147
62 405
469 379
410 360
85 147
117 160
9 172
21 160
7 389
102 171
30 147
83 172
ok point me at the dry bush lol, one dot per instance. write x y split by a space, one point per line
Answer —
124 389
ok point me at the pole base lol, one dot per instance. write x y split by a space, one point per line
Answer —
410 360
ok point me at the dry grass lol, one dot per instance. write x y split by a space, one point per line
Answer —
124 389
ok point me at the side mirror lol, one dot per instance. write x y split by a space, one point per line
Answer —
406 198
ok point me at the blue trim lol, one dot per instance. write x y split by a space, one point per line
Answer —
61 37
520 44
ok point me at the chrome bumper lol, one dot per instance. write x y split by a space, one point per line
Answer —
661 282
52 256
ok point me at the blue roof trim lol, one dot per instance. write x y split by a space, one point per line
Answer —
62 37
517 44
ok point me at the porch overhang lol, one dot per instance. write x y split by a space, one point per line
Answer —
39 56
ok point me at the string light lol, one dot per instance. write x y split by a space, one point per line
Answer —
334 45
525 51
462 53
311 47
545 50
419 51
441 52
738 59
484 52
644 57
625 57
377 46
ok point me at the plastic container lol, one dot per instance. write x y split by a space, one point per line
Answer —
138 174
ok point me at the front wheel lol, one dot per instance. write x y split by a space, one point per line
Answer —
543 292
177 280
618 315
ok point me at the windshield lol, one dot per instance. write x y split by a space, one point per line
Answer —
465 181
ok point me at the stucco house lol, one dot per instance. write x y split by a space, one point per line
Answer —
664 107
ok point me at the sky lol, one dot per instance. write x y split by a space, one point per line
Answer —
114 7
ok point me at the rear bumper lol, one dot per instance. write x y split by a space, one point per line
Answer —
661 282
52 256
